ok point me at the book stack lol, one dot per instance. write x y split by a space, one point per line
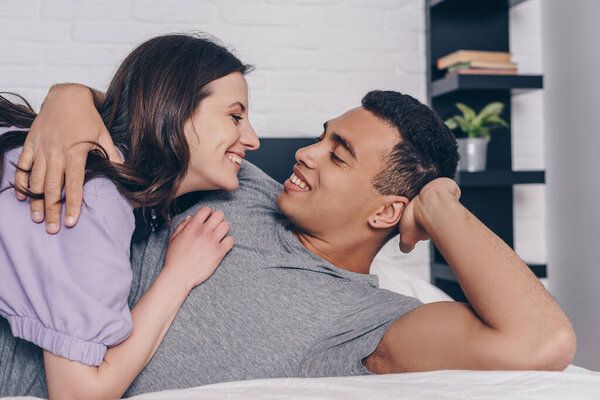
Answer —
477 63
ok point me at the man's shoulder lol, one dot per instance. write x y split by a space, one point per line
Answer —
254 179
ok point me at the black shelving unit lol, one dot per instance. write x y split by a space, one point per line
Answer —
477 25
518 83
499 178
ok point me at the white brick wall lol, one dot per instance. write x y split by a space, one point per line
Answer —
314 59
528 133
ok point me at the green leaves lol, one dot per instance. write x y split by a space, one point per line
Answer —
478 125
467 111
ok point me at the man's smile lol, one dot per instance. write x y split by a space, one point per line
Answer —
297 183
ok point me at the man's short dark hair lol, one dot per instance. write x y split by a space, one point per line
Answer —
426 148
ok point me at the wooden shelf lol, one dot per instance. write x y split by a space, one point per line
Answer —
453 83
499 178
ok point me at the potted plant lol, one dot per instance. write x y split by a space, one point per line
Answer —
473 148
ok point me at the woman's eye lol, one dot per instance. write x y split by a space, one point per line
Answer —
236 118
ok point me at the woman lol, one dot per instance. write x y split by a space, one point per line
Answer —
176 111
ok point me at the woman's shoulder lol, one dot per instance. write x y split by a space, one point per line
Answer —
102 202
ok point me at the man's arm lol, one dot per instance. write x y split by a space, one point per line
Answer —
512 323
67 119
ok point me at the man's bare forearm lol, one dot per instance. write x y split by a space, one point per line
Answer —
90 99
500 287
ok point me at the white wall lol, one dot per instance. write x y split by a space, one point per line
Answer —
314 58
572 100
528 133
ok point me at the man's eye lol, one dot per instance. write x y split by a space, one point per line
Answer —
335 158
236 118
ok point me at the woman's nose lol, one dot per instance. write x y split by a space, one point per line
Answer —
249 138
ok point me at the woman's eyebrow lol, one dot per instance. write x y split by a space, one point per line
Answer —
238 104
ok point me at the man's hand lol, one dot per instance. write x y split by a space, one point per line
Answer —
55 154
411 224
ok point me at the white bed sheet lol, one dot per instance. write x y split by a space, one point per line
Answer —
573 383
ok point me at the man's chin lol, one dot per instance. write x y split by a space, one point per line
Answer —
280 200
284 201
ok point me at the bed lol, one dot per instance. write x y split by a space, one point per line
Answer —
276 158
574 383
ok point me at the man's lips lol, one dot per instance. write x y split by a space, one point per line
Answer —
297 182
302 178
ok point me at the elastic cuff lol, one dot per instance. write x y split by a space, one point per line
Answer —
58 343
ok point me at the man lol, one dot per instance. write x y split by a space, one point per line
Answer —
294 298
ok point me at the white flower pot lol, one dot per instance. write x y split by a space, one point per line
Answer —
473 154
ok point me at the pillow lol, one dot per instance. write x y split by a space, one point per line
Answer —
398 272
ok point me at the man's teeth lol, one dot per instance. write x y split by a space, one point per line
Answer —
298 182
235 158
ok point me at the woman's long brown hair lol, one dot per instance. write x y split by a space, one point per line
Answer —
153 93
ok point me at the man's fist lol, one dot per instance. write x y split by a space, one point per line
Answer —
412 224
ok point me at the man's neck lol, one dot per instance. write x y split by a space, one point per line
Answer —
351 257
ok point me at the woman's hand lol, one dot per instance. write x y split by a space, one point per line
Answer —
55 154
197 246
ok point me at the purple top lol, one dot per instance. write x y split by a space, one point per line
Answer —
67 293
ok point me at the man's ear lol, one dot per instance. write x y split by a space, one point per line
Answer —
388 214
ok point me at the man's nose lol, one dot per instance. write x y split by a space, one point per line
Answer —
307 155
249 138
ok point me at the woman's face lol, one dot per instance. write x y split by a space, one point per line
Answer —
219 134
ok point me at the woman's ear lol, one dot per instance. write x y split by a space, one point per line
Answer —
388 214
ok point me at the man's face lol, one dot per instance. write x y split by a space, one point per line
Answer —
331 187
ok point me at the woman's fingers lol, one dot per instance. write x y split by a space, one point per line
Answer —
36 185
221 230
201 215
215 219
227 244
180 227
74 178
53 193
21 176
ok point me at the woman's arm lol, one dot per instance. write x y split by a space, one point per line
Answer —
195 249
67 118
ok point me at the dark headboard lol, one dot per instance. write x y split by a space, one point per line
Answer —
276 155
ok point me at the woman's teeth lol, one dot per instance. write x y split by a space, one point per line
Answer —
298 182
235 158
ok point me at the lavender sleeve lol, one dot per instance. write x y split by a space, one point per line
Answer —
67 293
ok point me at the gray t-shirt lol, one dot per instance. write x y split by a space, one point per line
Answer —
271 309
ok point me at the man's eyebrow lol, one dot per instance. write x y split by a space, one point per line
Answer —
334 137
238 103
